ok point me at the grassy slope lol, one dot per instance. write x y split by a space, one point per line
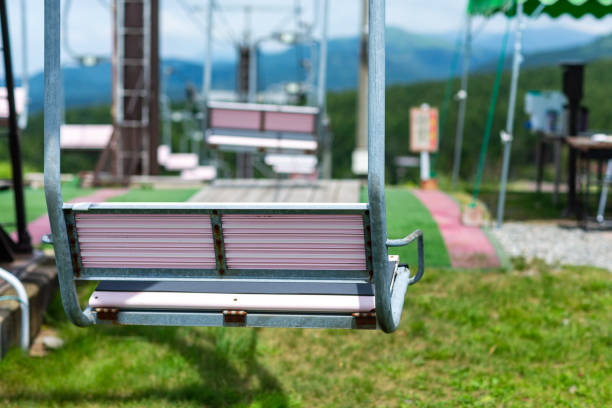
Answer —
36 205
405 213
35 202
144 194
536 337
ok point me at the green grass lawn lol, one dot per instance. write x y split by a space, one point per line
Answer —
533 337
405 213
36 205
160 195
35 202
536 336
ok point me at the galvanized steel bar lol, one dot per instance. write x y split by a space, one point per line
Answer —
322 133
416 235
207 71
23 304
376 164
516 66
53 192
160 318
207 274
462 96
236 208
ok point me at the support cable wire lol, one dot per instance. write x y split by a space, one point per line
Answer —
298 46
480 29
447 98
191 13
491 115
227 25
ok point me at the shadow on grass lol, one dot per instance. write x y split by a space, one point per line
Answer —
525 205
228 372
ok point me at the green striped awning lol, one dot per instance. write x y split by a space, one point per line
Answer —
554 8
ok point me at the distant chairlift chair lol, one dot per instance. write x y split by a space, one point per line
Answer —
287 134
264 265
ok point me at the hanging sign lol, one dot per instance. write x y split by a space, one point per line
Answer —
424 129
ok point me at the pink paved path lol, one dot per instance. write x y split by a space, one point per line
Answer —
40 226
468 247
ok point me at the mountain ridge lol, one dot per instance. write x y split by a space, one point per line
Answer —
411 57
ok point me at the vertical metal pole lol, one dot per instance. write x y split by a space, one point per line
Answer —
23 118
601 209
252 72
154 88
321 100
207 72
313 56
321 96
23 238
144 130
53 190
516 65
119 88
376 161
361 133
462 95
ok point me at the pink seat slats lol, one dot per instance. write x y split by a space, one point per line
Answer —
145 241
300 242
308 241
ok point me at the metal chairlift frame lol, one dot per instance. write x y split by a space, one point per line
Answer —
389 289
321 132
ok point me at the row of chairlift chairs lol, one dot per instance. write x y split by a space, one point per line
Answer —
309 265
286 135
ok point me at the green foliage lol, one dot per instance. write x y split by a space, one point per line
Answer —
342 111
534 337
32 140
6 171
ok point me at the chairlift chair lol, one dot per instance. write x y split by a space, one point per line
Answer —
251 127
164 255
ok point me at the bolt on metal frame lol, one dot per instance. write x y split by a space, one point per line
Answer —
390 288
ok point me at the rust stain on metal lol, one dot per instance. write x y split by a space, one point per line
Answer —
234 317
365 321
107 314
73 255
218 239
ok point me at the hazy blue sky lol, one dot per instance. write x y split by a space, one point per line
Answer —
89 23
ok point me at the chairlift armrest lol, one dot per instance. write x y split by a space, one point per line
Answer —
416 235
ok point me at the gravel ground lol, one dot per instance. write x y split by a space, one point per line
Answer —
554 244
